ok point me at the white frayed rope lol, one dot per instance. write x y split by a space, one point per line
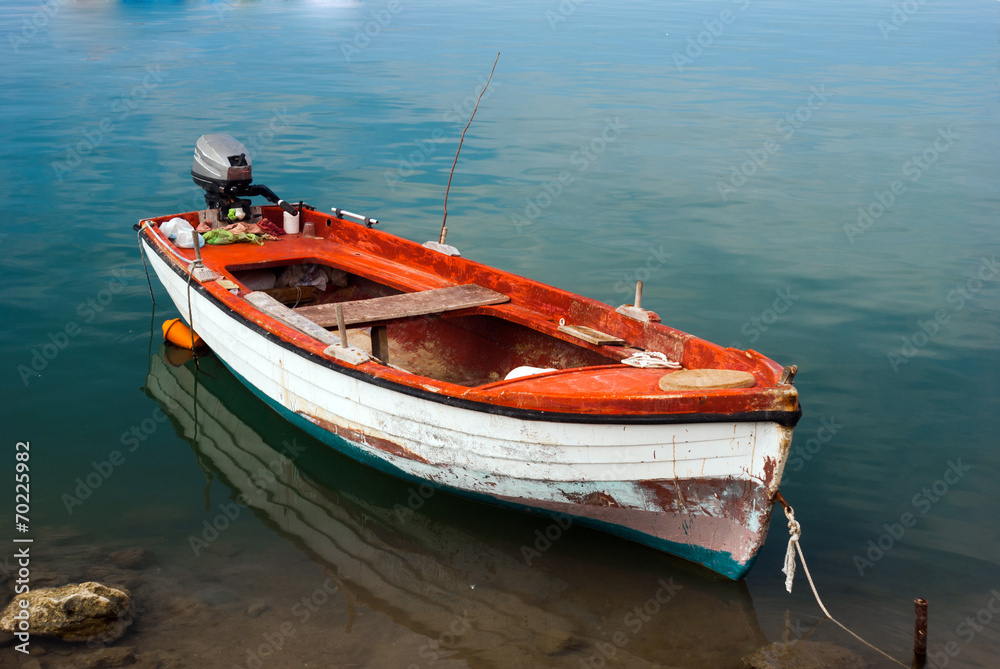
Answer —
795 533
653 359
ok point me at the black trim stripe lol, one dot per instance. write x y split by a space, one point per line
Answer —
784 418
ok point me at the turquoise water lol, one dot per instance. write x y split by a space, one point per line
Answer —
815 181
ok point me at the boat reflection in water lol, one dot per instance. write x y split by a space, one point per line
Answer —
493 588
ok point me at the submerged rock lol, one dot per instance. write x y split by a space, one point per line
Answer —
107 658
257 608
804 655
554 641
83 612
132 558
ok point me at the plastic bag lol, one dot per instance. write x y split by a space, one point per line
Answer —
179 231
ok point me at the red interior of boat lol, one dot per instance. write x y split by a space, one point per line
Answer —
468 352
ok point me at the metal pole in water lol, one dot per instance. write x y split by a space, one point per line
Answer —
920 632
341 326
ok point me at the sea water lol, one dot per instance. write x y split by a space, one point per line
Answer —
818 182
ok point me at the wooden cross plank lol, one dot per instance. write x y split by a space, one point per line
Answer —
275 309
591 335
392 307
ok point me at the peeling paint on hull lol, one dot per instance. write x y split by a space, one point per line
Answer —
717 523
700 490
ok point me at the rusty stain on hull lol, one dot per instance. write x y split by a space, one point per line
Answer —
350 434
595 499
720 515
769 464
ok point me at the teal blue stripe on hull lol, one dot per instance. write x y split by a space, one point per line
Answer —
720 562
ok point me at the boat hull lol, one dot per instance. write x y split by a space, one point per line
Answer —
696 486
416 565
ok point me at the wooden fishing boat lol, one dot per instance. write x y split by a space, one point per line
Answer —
423 388
426 564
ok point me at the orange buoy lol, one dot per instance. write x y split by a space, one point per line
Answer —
179 334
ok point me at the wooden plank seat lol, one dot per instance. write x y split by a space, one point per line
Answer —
276 309
406 305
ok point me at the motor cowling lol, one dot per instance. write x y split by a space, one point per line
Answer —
221 161
223 167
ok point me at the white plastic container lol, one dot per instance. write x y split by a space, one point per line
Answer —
291 223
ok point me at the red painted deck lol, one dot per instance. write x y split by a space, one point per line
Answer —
466 353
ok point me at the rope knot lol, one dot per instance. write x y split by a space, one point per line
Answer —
794 534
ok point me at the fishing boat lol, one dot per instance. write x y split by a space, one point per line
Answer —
426 566
443 371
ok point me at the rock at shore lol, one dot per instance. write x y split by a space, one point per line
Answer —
83 612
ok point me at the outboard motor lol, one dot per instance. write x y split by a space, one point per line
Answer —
222 168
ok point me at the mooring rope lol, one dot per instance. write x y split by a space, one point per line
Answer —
648 359
142 254
795 534
190 316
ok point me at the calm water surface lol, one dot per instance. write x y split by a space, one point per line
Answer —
815 181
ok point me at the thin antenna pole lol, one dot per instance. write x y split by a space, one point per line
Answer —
444 226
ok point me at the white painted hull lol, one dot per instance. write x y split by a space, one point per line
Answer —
416 566
700 490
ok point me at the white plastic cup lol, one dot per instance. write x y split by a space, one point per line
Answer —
291 223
